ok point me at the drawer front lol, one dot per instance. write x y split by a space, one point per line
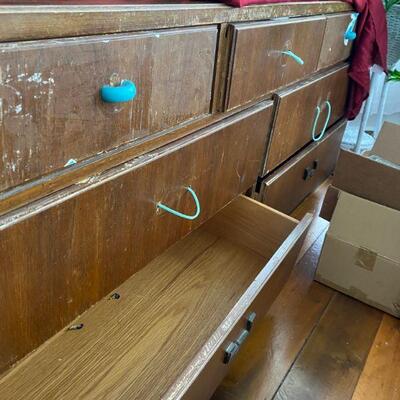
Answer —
288 186
297 113
334 47
52 110
254 303
78 245
258 64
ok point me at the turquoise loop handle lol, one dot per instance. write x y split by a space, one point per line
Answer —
126 91
295 57
316 118
179 214
349 34
328 117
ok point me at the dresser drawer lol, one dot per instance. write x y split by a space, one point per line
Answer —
78 244
52 110
335 47
174 327
264 58
303 109
289 185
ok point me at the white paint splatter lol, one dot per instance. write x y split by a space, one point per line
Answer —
18 108
36 77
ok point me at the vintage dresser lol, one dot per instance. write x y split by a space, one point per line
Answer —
132 265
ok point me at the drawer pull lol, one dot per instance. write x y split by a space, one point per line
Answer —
295 57
233 347
316 118
349 34
179 214
126 91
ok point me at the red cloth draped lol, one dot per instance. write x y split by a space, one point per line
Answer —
370 47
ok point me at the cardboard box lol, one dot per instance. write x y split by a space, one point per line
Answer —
373 176
361 253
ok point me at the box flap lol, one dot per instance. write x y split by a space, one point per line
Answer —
369 179
387 146
367 225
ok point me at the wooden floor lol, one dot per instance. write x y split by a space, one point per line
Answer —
316 343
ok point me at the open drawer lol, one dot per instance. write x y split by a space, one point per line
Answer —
170 330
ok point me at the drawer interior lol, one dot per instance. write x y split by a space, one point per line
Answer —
137 343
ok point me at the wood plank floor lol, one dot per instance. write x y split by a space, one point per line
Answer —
316 343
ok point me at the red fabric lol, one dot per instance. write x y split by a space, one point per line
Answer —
370 47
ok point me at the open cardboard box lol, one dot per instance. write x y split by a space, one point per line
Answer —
373 176
361 253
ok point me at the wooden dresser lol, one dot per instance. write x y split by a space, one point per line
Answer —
132 265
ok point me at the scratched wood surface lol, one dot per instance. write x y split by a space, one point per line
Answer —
289 135
77 245
51 109
136 346
333 47
257 64
33 22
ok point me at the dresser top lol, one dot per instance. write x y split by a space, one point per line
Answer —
91 17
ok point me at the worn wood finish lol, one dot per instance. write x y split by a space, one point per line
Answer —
278 338
89 169
285 188
380 378
221 67
333 48
161 324
22 23
77 245
296 111
332 359
257 65
52 111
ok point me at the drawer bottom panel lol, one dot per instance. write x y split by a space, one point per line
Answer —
287 187
172 330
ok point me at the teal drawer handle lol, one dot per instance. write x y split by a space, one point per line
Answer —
349 34
179 214
295 57
126 91
317 114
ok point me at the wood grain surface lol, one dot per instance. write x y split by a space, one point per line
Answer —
380 378
277 339
136 346
76 246
257 64
291 134
23 23
333 48
50 94
331 361
285 188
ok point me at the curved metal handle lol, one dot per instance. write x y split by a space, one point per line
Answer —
328 117
126 91
179 214
295 57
